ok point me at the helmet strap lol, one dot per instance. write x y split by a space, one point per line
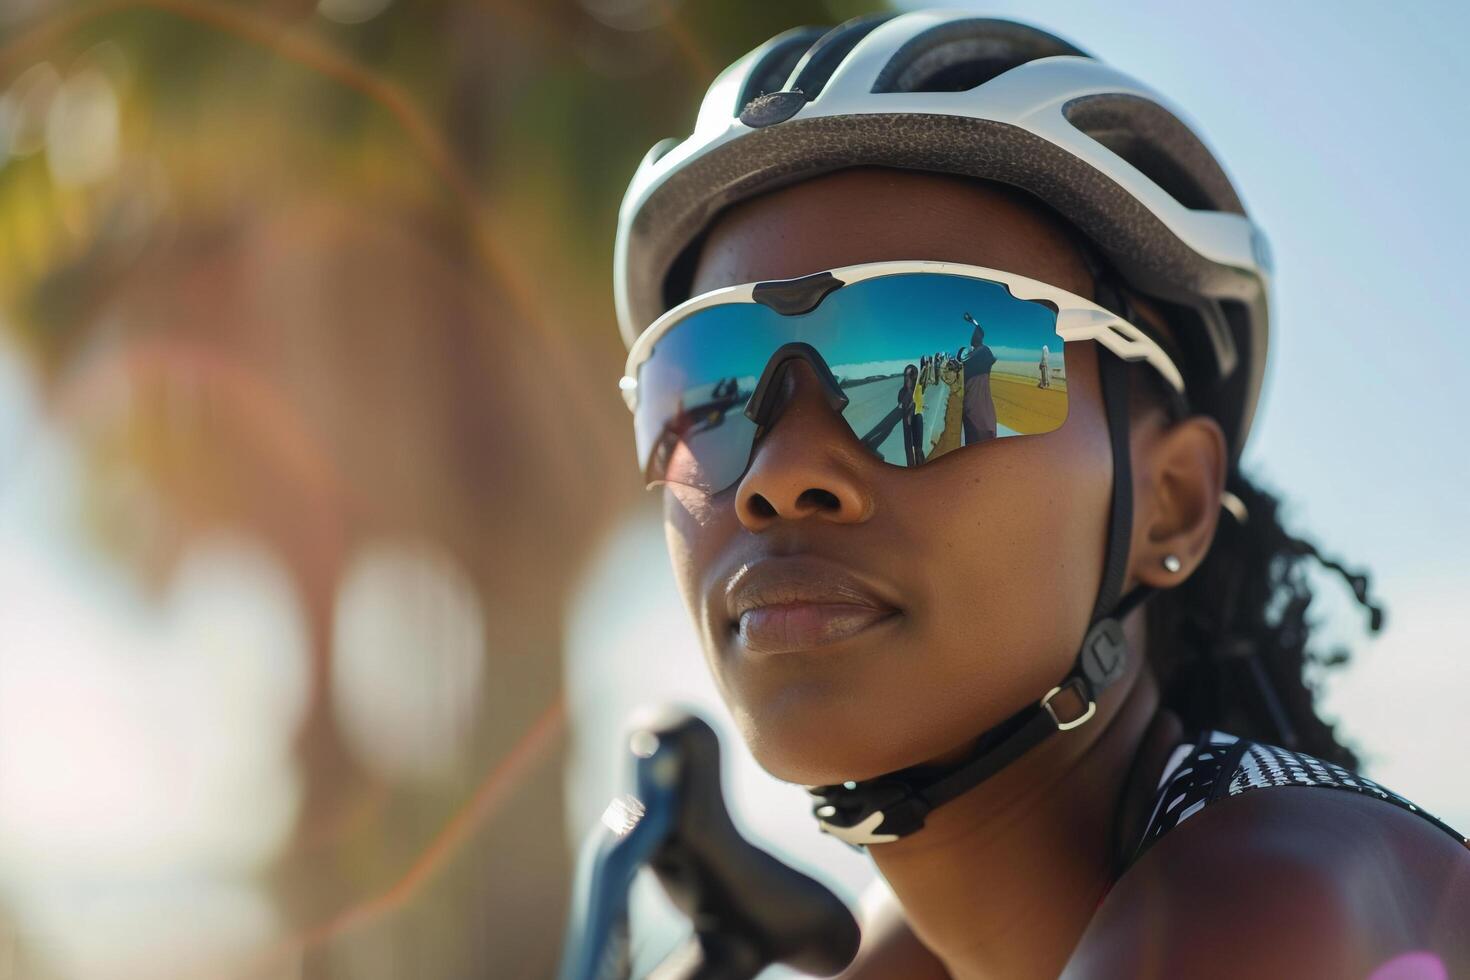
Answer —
891 806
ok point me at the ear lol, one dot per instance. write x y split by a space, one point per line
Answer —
1178 477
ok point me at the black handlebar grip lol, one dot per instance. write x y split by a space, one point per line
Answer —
744 903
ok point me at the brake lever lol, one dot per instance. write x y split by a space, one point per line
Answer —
748 909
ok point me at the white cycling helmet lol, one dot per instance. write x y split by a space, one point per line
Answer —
947 92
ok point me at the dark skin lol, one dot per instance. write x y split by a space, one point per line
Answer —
945 598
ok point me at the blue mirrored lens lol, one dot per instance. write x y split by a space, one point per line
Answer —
929 363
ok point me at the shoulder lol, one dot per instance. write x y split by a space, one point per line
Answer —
1289 882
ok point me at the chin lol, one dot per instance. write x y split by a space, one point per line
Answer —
800 739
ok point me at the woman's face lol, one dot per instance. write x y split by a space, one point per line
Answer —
860 617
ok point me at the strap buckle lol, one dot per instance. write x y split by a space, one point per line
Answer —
1077 687
869 813
1104 655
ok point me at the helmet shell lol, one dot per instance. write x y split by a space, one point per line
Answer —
950 93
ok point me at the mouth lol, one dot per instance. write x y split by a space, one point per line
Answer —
787 605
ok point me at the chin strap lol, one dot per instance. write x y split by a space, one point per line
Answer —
888 807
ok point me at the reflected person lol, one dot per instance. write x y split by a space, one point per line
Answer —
911 421
979 405
916 422
950 373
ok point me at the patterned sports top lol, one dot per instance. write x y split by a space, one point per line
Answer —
1217 765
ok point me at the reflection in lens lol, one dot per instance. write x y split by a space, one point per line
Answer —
693 447
927 362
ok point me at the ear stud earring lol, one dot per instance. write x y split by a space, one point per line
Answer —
1172 563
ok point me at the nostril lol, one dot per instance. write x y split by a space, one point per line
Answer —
817 499
761 507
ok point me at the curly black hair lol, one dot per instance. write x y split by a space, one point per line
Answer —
1231 644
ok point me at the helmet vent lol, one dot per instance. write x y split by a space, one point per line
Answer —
961 54
769 72
1159 146
822 58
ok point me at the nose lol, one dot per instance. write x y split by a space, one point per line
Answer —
807 464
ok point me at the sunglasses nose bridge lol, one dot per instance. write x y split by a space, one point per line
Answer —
802 468
771 392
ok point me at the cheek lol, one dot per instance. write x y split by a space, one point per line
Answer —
697 529
682 533
1013 565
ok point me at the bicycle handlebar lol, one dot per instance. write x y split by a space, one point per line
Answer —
748 909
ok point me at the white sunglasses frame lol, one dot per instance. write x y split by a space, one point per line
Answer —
1078 319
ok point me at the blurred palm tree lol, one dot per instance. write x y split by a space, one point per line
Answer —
335 273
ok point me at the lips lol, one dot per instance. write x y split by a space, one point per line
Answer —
786 605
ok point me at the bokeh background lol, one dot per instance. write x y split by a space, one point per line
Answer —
326 581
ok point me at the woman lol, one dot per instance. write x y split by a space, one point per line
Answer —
1081 744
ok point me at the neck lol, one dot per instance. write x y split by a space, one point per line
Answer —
1003 880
